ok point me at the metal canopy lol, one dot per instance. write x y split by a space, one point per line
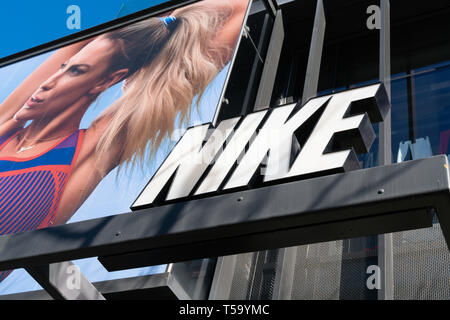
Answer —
359 203
162 286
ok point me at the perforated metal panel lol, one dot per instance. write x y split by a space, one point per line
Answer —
357 255
318 271
262 283
421 265
244 271
254 276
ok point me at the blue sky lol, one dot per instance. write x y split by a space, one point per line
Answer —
34 23
29 23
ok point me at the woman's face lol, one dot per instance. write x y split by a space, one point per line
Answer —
78 80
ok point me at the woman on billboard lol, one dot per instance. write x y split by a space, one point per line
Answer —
48 165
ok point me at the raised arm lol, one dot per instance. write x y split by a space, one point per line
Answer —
20 95
229 33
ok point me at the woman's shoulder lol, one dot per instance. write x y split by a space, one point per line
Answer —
92 136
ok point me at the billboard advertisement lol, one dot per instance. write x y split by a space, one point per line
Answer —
85 126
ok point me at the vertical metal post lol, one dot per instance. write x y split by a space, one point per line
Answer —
223 278
385 246
412 114
287 256
247 105
271 6
269 72
315 54
226 266
284 277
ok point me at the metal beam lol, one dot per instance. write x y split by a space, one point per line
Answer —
258 62
284 277
156 286
385 245
271 6
223 278
315 54
64 281
412 112
273 239
226 265
385 78
287 256
269 72
358 203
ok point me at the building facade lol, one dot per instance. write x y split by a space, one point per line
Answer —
296 50
351 55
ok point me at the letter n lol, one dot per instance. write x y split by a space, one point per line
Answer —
185 165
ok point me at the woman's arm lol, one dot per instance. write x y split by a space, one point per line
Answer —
229 33
88 172
20 95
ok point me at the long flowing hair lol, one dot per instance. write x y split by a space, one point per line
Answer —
168 65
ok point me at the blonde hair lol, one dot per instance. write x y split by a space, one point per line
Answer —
169 66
